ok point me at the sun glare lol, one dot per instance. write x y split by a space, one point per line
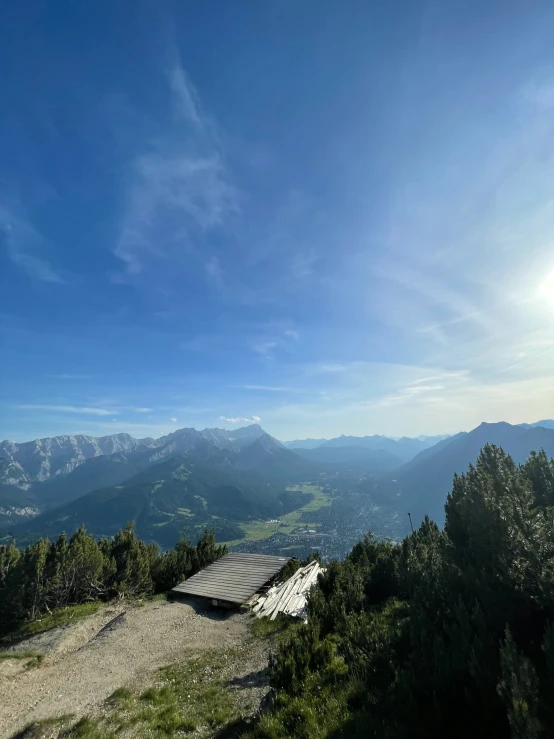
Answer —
546 288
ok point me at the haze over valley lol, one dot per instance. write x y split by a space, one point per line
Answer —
258 494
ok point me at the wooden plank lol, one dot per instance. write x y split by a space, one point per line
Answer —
235 577
215 587
219 584
217 592
273 614
242 578
239 571
235 572
219 595
240 566
249 563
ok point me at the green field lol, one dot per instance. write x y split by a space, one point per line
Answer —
257 530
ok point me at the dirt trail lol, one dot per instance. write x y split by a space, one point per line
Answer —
117 646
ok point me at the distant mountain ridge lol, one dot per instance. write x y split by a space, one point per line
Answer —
423 483
38 460
30 462
547 423
36 476
404 448
210 476
204 485
304 443
351 459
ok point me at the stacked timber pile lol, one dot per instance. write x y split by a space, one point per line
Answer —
291 596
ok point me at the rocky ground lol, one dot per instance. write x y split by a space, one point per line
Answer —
124 646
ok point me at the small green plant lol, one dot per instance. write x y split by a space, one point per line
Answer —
42 728
264 628
33 659
58 617
185 698
121 698
87 728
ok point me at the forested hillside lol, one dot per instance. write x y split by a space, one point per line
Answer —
49 575
450 634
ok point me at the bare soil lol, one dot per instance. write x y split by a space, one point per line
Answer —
125 645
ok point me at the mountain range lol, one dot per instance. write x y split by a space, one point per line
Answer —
222 478
404 448
423 483
30 462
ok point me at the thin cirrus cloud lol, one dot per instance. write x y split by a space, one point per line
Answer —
85 410
180 179
68 409
22 241
267 388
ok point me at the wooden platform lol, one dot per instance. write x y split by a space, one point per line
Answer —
232 579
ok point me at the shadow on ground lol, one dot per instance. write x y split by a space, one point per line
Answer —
235 729
251 680
204 608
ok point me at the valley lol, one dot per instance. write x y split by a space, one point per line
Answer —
258 494
331 524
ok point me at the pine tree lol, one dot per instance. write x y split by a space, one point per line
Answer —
9 557
207 550
131 561
518 688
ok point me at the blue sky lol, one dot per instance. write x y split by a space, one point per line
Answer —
333 217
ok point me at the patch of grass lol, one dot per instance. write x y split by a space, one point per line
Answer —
185 698
149 599
87 728
264 628
58 617
42 728
121 698
188 696
286 524
33 658
181 473
313 716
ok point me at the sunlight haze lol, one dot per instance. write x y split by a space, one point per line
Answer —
325 222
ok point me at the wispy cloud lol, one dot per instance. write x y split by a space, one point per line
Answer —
274 339
241 419
173 420
192 410
184 97
264 348
328 368
178 186
538 93
87 410
267 388
22 240
409 393
67 409
214 272
303 264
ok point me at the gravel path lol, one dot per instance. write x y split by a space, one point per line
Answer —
122 646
